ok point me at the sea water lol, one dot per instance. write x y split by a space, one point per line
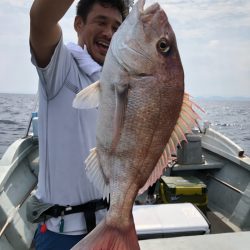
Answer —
230 117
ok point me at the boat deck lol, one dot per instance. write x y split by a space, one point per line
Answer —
224 241
217 225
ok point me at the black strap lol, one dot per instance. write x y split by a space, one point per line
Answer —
90 220
88 209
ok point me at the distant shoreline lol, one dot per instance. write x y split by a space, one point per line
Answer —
218 98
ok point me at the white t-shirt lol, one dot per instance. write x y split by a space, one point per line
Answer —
66 135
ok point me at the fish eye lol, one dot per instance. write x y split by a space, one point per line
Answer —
163 45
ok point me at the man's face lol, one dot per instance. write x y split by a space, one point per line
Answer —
97 31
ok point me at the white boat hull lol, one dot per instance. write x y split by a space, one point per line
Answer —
18 178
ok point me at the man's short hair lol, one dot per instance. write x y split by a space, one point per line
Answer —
84 7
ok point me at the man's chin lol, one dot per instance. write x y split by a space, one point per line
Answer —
100 54
99 59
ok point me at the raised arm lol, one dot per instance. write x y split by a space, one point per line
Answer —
45 31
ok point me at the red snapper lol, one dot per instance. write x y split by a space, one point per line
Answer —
143 115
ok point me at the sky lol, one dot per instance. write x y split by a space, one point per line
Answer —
213 38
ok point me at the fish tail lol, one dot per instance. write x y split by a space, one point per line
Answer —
106 237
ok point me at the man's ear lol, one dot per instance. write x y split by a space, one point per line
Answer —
78 24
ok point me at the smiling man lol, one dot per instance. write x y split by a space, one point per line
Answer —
96 29
66 204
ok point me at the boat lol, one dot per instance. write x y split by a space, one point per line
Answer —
209 156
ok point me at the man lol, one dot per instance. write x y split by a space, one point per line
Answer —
66 134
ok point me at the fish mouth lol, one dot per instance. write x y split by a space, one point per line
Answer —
150 11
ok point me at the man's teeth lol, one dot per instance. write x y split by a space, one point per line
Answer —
104 44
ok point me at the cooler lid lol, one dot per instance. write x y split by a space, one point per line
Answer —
169 218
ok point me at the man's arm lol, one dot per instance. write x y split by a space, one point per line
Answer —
45 31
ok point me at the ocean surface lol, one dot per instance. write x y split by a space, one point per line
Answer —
230 117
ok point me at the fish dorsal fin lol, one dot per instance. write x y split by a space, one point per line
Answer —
95 174
88 97
121 97
185 123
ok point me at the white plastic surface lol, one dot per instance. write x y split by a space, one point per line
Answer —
169 218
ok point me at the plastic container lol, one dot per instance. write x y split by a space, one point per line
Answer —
169 220
176 189
35 124
191 152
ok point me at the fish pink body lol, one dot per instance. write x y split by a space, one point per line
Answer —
143 115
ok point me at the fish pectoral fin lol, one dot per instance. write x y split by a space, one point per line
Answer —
96 175
121 93
89 97
186 121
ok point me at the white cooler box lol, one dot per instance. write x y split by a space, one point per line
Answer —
169 220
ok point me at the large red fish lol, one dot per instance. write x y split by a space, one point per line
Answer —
143 114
